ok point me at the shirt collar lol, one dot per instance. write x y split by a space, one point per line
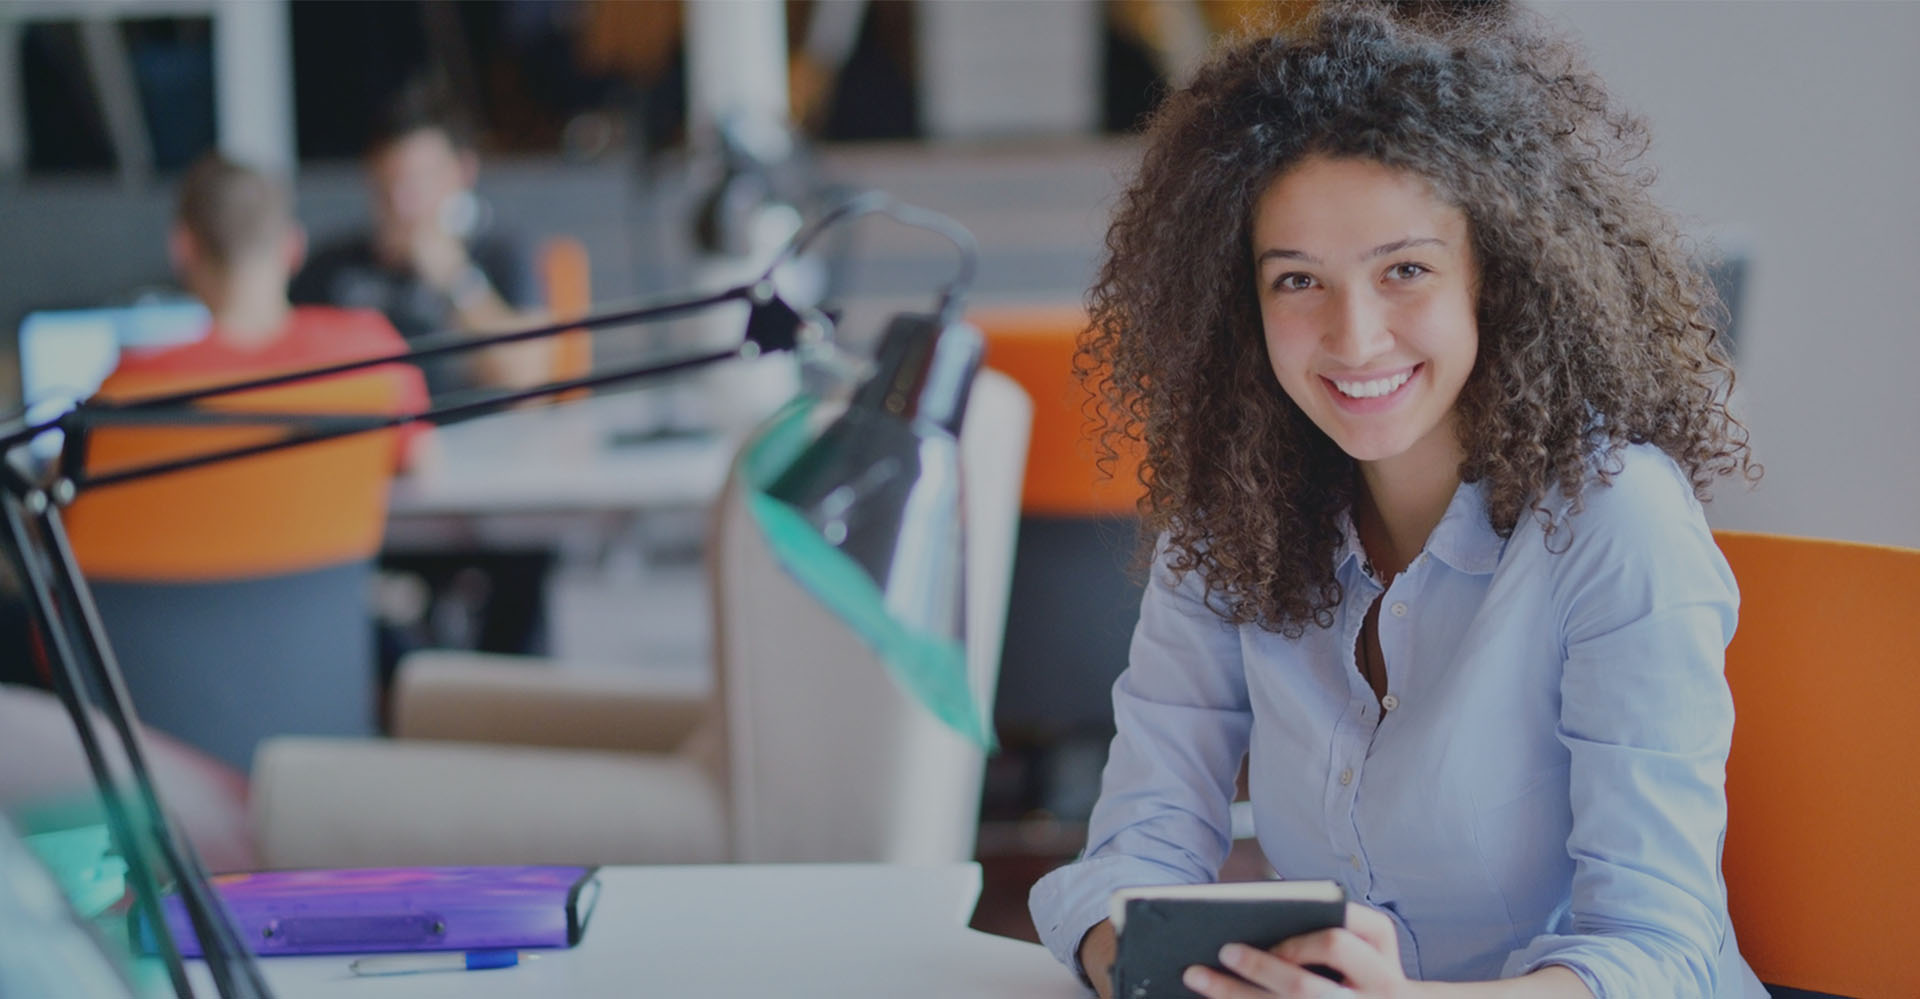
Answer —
1351 551
1464 539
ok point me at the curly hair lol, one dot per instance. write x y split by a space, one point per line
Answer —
1597 327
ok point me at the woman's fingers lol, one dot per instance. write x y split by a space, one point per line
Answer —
1365 967
1261 976
1375 927
1215 985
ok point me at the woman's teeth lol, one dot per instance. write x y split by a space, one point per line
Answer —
1372 389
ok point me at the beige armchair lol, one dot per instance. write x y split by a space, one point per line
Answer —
800 749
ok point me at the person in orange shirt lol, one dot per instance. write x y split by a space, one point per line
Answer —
235 245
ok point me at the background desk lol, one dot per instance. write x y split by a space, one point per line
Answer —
511 472
597 539
748 931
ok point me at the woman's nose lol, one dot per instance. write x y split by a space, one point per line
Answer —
1359 331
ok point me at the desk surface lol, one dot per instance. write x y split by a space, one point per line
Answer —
562 459
749 931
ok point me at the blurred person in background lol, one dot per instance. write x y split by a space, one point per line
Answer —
433 262
234 244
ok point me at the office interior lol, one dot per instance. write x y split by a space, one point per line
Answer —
1783 132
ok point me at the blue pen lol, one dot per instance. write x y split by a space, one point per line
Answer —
413 964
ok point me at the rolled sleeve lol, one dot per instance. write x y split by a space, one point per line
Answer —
1073 899
1182 717
1647 719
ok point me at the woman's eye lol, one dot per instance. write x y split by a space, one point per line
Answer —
1294 281
1406 272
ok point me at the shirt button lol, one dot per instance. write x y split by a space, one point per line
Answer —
1389 702
1346 777
1399 610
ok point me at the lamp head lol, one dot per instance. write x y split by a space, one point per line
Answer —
882 482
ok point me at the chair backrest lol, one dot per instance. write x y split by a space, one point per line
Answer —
1822 803
1035 345
288 511
235 594
567 282
826 759
1076 536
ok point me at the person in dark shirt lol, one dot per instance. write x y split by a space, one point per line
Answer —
432 263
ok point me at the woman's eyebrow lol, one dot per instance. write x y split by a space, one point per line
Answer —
1403 244
1280 253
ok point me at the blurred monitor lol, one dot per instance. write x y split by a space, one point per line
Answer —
66 354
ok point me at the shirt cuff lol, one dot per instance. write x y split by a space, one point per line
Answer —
1071 900
1582 958
1587 976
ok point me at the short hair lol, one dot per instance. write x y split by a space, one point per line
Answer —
231 210
420 107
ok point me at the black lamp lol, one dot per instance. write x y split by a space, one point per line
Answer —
877 487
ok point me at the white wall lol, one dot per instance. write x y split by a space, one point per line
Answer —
997 69
1790 130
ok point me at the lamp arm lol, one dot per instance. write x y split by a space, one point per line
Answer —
333 426
663 310
881 203
64 609
773 325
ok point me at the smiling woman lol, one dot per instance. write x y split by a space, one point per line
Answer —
1367 300
1429 395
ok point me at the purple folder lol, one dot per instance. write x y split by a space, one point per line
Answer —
355 911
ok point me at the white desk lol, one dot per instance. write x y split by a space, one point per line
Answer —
532 474
747 931
559 458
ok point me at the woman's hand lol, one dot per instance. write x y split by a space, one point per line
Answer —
1366 952
1096 957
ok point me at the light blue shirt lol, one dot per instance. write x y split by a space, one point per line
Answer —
1545 785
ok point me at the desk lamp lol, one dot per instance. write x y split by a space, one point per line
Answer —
863 508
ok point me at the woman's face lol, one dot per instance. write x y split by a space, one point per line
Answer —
1367 288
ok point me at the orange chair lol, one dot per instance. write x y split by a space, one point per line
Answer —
1072 560
235 595
1035 346
1823 804
567 281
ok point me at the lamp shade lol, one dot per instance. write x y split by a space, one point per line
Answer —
867 514
882 482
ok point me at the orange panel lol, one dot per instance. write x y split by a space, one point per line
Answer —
303 508
569 292
1823 798
1035 347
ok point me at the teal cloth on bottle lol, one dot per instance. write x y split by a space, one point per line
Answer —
931 668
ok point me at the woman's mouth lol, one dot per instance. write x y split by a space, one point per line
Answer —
1374 388
1370 394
